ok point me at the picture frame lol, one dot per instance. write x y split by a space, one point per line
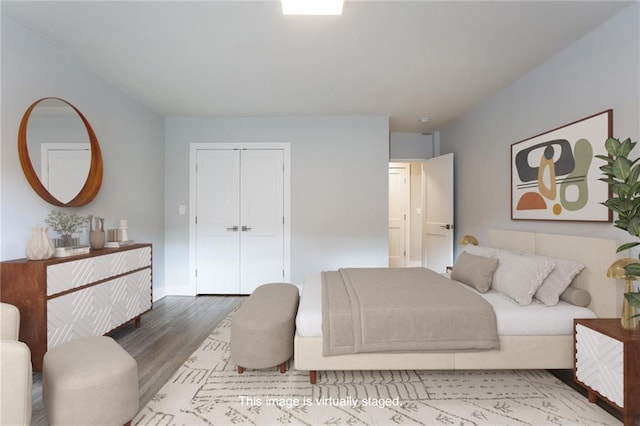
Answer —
554 175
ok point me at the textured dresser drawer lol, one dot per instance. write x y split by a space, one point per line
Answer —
69 275
98 309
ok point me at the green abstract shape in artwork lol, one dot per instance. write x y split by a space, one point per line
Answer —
583 154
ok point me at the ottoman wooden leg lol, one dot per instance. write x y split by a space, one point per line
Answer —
283 367
240 370
313 377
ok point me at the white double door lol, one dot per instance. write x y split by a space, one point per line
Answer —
239 219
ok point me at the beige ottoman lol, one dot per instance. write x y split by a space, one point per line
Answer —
89 381
262 329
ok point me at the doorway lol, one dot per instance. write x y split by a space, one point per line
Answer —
405 214
421 209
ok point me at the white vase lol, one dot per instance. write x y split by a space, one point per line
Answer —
40 245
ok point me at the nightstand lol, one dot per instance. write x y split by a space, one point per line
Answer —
607 364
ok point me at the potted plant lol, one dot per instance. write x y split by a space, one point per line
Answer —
623 174
66 224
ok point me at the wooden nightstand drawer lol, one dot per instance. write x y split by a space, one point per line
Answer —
607 364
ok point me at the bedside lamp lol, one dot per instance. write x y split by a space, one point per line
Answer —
468 239
616 271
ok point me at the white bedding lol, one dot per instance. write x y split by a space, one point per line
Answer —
513 320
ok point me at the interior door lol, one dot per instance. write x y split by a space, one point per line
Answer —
438 212
262 218
217 221
398 214
65 167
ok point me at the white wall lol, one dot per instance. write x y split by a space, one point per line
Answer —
410 146
130 136
339 188
598 72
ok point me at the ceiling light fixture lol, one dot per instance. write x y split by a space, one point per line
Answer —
312 7
425 120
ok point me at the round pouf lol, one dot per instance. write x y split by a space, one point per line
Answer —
89 381
262 329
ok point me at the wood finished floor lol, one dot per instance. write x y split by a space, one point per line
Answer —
170 332
173 330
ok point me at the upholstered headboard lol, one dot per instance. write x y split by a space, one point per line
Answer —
595 253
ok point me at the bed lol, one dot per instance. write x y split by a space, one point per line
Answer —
542 348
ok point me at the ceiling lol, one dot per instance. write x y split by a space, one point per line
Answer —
405 60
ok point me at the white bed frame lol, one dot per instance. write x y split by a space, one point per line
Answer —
516 352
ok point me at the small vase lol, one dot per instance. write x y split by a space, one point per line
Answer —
96 239
96 235
628 311
40 245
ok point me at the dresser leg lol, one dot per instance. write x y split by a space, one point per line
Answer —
592 397
138 321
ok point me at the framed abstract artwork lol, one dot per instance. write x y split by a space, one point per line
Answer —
554 175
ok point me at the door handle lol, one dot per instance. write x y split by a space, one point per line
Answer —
233 228
447 226
246 228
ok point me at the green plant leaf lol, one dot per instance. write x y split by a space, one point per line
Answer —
621 168
633 299
607 169
634 188
626 147
611 145
633 269
634 227
605 179
621 189
634 174
624 206
627 246
606 158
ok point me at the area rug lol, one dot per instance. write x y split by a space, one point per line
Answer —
207 390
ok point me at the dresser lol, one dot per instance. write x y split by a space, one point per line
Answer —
607 364
92 294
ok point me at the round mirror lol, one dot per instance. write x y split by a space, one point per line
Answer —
59 153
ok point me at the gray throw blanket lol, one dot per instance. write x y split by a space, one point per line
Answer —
402 309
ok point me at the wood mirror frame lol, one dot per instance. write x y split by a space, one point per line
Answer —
94 178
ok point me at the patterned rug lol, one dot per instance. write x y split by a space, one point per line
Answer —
207 390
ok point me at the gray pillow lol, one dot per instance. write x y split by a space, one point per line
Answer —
576 296
474 271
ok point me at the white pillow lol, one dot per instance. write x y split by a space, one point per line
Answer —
480 250
558 280
519 276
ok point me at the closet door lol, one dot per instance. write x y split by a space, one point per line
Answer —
262 218
239 219
217 221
